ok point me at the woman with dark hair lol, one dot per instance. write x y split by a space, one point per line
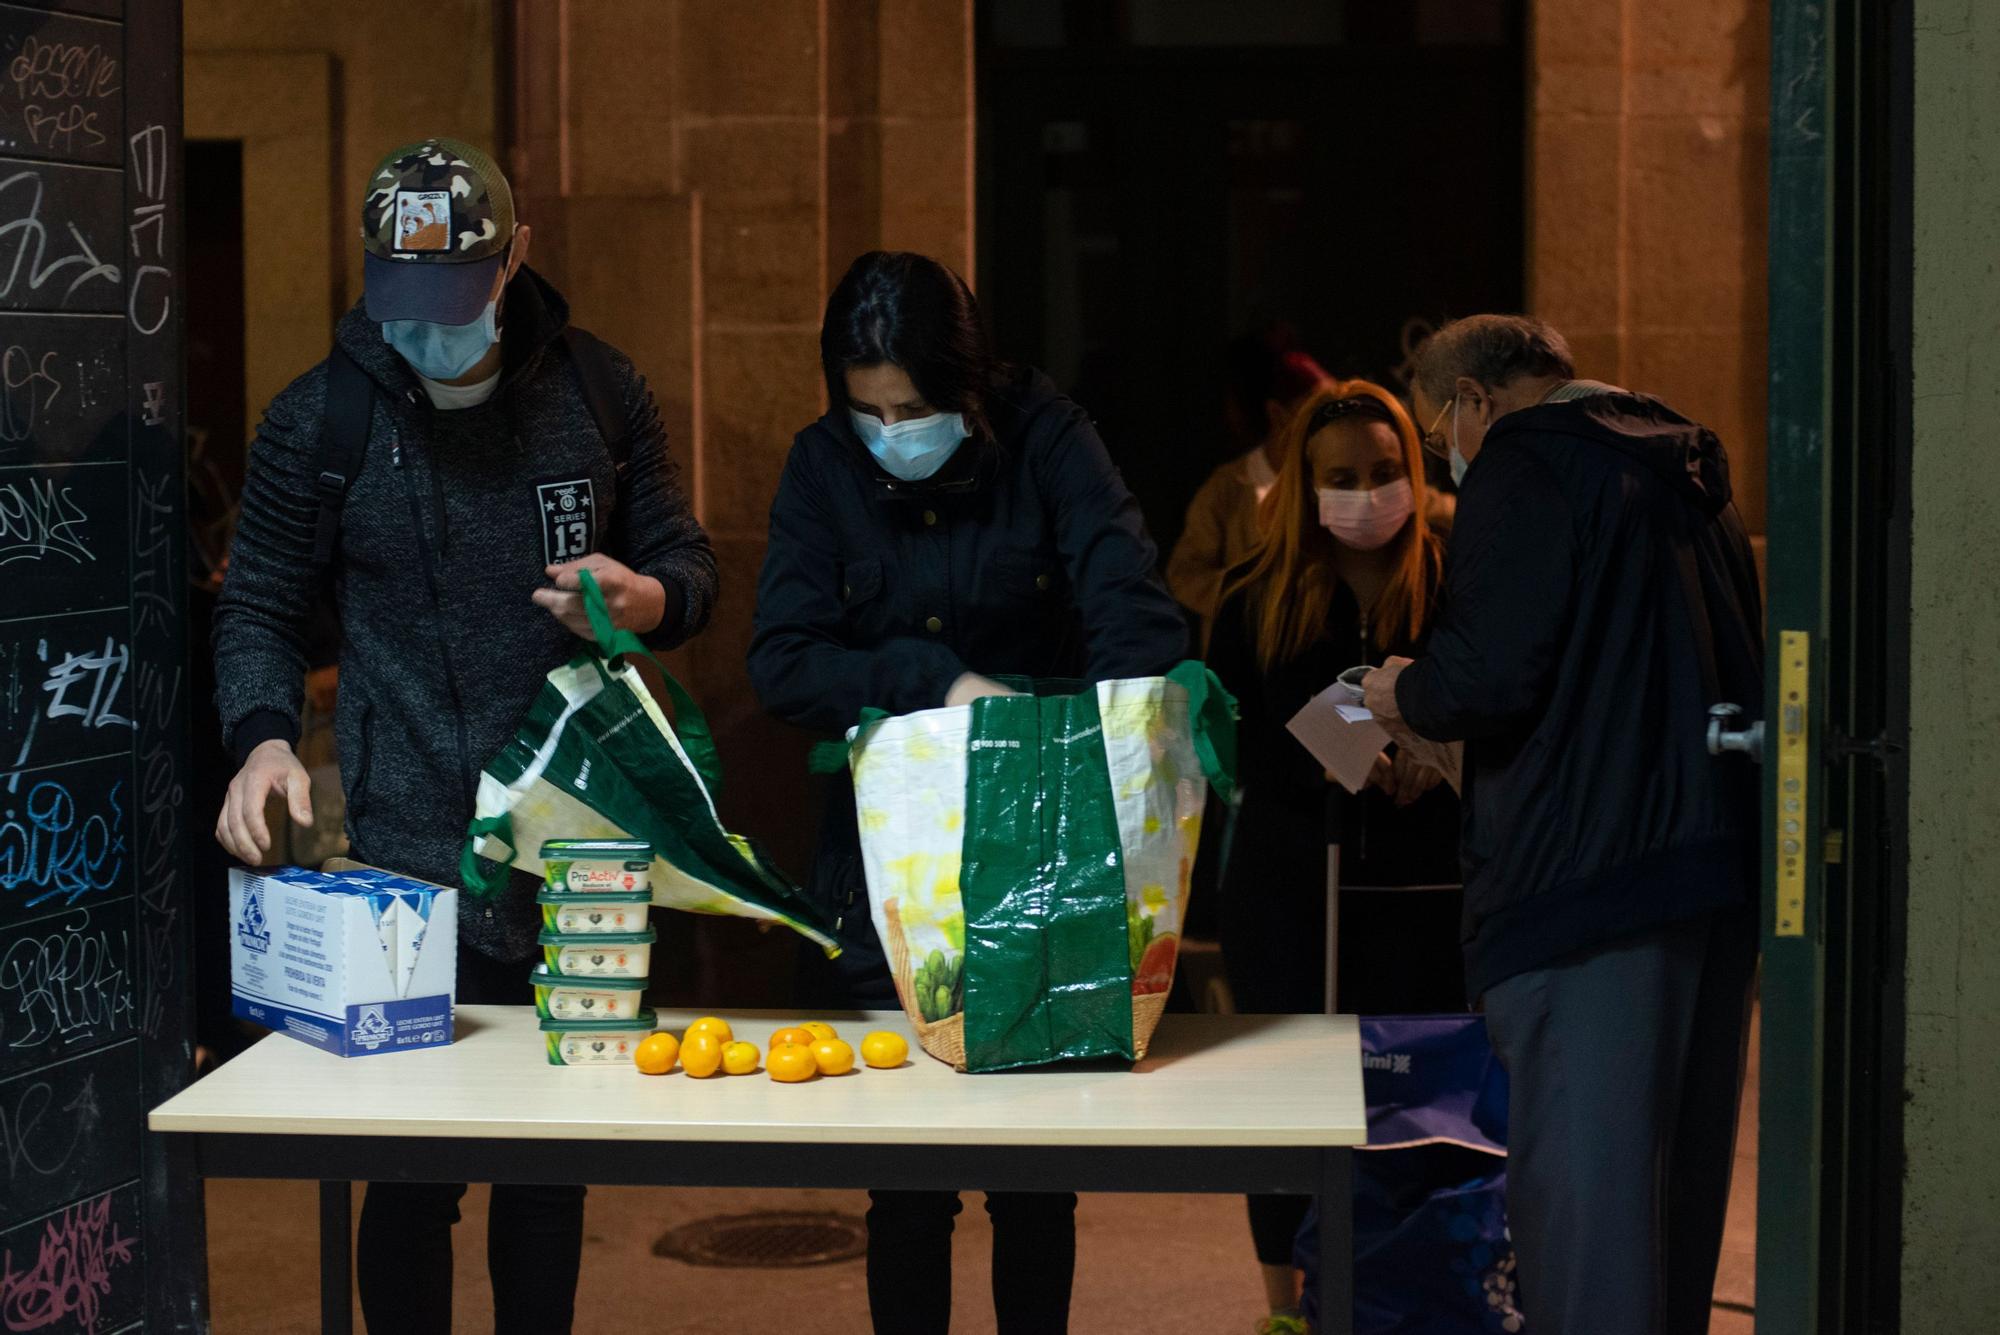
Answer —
1347 571
947 521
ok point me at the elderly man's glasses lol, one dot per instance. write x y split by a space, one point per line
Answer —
1434 441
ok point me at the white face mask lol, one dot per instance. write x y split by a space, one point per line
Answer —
912 449
1367 520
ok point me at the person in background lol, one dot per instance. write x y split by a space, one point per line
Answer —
1601 596
1268 377
455 576
1348 572
946 522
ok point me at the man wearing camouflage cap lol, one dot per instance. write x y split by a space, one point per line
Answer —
459 456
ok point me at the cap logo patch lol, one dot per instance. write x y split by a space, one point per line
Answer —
423 220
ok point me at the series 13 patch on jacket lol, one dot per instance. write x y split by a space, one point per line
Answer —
569 519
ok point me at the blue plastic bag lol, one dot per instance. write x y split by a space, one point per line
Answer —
1431 1250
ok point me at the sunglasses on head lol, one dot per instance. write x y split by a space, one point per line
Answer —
1365 407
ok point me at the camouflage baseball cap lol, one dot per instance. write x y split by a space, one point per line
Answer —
436 224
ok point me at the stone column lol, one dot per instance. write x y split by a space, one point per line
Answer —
1647 151
713 167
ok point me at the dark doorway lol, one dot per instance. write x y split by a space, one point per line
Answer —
217 436
1157 177
216 425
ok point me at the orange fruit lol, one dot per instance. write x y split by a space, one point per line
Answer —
834 1057
712 1024
701 1054
885 1051
791 1063
656 1053
739 1058
818 1030
793 1037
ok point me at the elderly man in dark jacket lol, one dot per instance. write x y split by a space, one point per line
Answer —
499 453
1600 598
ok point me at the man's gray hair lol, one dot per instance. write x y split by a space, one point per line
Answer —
1492 349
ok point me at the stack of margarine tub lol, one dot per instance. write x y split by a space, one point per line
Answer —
590 988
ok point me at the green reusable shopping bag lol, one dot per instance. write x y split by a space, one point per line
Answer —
1028 859
594 758
1048 967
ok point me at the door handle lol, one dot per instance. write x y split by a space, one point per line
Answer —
1722 738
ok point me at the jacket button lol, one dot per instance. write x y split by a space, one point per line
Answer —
930 517
1042 581
847 590
934 625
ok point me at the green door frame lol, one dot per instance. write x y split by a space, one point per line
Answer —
1788 1123
1829 1147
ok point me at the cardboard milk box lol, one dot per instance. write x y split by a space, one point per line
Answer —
349 958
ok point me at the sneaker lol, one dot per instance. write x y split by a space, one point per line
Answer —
1284 1323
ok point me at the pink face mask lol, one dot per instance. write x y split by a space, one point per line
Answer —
1366 520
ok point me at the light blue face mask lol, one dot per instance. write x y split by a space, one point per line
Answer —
1459 463
914 449
444 351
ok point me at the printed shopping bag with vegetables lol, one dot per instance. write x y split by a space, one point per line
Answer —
1028 859
594 758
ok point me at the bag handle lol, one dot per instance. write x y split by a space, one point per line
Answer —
1212 715
472 867
830 757
690 724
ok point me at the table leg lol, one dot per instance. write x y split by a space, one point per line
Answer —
1336 1242
336 1268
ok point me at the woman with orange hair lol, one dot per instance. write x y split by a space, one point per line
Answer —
1347 570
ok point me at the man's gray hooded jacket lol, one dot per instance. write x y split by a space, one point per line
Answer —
444 537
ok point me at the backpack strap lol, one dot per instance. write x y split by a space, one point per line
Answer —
343 442
591 361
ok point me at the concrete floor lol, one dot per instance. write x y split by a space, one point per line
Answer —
1736 1277
1185 1258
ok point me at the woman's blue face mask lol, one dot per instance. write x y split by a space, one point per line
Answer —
912 449
444 351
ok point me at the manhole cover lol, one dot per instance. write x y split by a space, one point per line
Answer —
768 1239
